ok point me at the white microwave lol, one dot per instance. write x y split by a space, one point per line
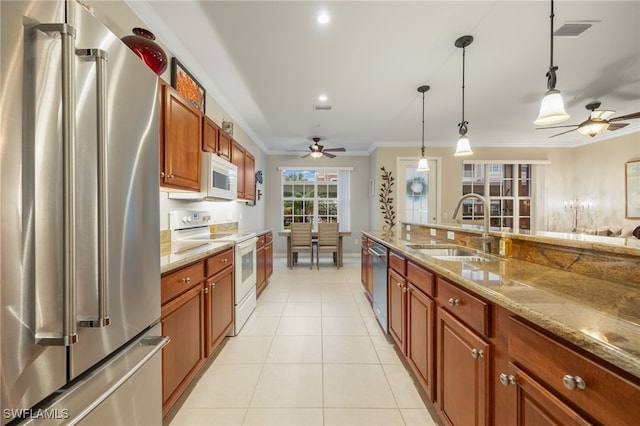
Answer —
219 181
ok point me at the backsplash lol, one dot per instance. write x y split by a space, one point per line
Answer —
617 263
217 228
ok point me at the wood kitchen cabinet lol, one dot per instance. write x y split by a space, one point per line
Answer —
214 139
237 157
219 292
463 357
246 164
268 254
397 287
180 142
264 260
366 268
553 383
224 145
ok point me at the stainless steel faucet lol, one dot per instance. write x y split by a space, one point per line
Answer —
486 239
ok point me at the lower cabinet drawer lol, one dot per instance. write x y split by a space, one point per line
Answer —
471 310
218 262
421 278
590 386
177 282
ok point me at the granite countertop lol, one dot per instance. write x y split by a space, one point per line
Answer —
600 316
170 260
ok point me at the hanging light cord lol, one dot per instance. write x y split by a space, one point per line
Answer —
551 74
422 150
463 123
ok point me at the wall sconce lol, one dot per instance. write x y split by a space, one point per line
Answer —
575 206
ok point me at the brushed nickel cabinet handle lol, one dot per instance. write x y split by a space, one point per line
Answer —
454 302
507 379
573 382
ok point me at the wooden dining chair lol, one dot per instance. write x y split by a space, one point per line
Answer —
301 241
328 235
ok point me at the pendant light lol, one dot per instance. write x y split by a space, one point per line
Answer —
552 106
464 147
423 164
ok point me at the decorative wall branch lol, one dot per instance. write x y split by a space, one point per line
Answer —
386 200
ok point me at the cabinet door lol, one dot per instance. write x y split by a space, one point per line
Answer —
463 368
219 308
182 140
366 272
420 355
183 321
397 301
237 158
536 406
268 256
224 145
249 177
210 132
261 268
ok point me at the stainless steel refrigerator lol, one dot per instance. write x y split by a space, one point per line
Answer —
79 229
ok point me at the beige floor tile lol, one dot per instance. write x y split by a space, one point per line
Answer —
225 386
270 308
302 309
209 417
289 385
417 417
343 326
284 417
340 309
348 350
362 417
402 386
245 349
299 326
295 350
356 386
260 326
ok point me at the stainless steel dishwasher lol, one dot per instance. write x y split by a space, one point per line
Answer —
380 253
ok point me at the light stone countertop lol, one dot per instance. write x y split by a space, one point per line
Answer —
600 316
170 260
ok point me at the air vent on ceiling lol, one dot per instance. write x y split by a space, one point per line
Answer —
572 29
322 107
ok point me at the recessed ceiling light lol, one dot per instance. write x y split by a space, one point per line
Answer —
323 18
322 98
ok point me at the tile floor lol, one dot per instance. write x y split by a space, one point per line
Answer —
312 353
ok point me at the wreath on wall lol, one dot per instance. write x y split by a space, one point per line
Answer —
416 187
386 200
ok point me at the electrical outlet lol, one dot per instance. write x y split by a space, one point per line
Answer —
408 228
433 232
408 237
451 235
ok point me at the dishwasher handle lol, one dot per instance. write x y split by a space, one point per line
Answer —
377 253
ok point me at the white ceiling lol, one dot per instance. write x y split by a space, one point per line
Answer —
266 62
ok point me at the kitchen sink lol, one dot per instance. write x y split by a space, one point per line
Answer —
449 252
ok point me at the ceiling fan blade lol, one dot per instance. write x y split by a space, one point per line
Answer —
626 117
601 114
557 127
297 150
306 155
335 150
568 131
616 126
328 154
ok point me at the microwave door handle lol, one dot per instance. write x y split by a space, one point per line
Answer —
68 335
100 58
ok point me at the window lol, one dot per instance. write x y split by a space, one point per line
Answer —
507 187
313 195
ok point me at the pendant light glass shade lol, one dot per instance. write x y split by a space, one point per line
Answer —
552 109
423 165
593 127
464 147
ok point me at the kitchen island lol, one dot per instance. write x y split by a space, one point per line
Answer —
510 308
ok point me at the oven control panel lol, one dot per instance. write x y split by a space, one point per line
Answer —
179 219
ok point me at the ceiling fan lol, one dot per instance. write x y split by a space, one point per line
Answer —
316 150
597 122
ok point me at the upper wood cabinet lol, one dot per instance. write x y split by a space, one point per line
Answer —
180 142
215 140
246 164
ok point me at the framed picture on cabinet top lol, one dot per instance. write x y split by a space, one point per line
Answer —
632 189
187 85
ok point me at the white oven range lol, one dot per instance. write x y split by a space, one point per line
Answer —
191 227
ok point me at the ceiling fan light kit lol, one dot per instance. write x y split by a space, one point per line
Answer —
593 127
423 164
463 148
552 107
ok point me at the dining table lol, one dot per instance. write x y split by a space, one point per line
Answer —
314 237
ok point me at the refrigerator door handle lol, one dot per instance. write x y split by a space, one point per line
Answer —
100 57
69 334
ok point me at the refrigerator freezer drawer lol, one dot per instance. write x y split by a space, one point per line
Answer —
125 390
